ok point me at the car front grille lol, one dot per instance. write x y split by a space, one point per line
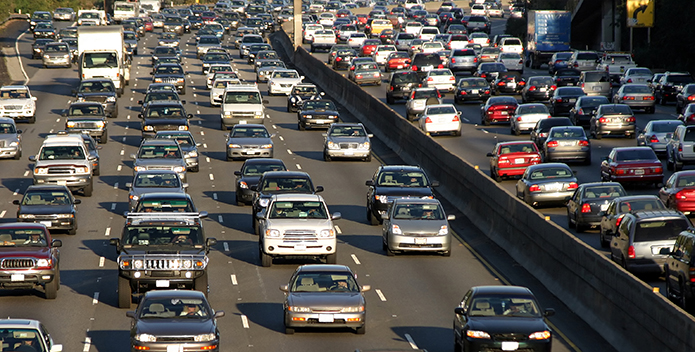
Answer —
166 127
13 107
242 114
17 263
175 338
348 145
154 167
300 234
251 146
95 98
510 337
420 234
414 245
61 170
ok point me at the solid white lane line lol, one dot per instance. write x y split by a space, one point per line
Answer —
119 167
245 321
219 218
108 231
87 344
467 120
101 262
354 259
212 178
226 246
95 300
115 185
380 294
411 342
26 173
2 214
299 167
113 206
337 229
15 192
289 152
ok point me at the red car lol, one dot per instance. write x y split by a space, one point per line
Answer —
343 13
398 60
208 17
632 165
361 19
679 192
149 26
498 109
368 47
512 158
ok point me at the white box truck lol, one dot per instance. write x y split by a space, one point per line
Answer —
102 55
124 9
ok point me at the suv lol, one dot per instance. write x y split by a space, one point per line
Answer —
680 150
242 103
670 85
401 84
297 225
463 60
160 154
644 237
163 116
161 250
395 181
679 269
50 205
422 63
30 258
64 160
16 102
583 60
87 117
419 99
595 83
101 90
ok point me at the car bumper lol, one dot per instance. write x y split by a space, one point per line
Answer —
324 320
657 147
245 194
639 104
58 61
25 278
583 154
278 89
400 94
9 152
53 224
551 197
323 123
348 153
137 346
638 179
279 247
616 129
495 118
249 153
464 67
471 96
420 244
537 96
72 182
488 345
369 80
442 127
191 162
646 265
17 114
589 219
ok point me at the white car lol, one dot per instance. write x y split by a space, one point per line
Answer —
381 53
217 89
636 75
511 45
527 116
479 38
495 11
16 102
441 78
413 27
355 40
427 32
309 31
282 80
441 118
216 68
478 10
326 19
512 61
431 47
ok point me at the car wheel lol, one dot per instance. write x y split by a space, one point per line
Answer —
51 288
390 100
332 258
125 296
368 158
517 132
97 171
579 226
32 119
669 163
570 224
104 138
201 284
223 127
288 330
597 135
486 122
289 109
495 175
371 219
195 168
604 243
457 346
682 300
89 188
361 330
301 126
266 260
389 252
662 101
326 157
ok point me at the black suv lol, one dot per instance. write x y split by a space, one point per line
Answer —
50 205
679 270
423 62
170 73
163 116
395 181
88 117
38 47
401 84
101 90
670 85
250 173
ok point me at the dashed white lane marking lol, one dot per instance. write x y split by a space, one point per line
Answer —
485 131
299 167
411 342
245 321
275 127
219 218
113 206
51 131
354 259
124 138
207 159
26 173
119 167
126 127
289 152
200 122
87 344
205 145
58 119
131 98
115 185
212 178
197 112
202 133
95 300
214 196
128 117
2 214
226 246
108 231
101 262
15 192
282 139
234 282
380 294
337 229
122 151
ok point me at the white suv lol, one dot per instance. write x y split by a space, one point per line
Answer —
242 103
64 160
16 102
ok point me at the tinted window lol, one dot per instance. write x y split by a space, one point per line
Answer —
658 230
635 154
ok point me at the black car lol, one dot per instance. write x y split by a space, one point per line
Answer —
507 83
38 46
401 84
685 96
45 30
101 90
251 171
540 132
537 88
566 77
490 71
214 58
302 92
423 62
317 113
395 181
161 52
343 59
87 117
163 116
157 95
254 49
585 108
563 100
473 88
501 318
670 85
39 17
584 209
170 73
50 205
279 182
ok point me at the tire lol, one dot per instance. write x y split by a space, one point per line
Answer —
457 346
579 227
104 138
332 258
669 163
604 243
389 252
201 284
301 126
390 100
368 158
266 260
32 119
570 224
677 167
288 107
495 176
517 132
682 301
662 101
18 155
223 127
651 110
597 135
371 219
361 330
326 157
125 295
446 253
486 122
89 189
51 288
183 91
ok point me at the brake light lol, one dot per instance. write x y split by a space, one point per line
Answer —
631 252
453 60
628 98
586 208
653 139
456 118
602 120
582 85
691 117
532 88
552 144
463 92
338 59
521 62
483 75
452 78
617 221
414 67
629 80
630 119
501 83
503 160
475 59
577 65
559 100
534 188
430 79
583 143
681 195
651 97
691 98
680 147
553 87
428 120
358 76
573 185
621 171
440 66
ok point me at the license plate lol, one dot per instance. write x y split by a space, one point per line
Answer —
349 152
553 187
504 113
175 348
421 241
543 89
62 182
427 68
506 346
300 247
474 91
326 318
17 277
250 152
519 161
596 88
566 143
604 207
242 122
511 85
162 283
46 223
639 172
400 66
572 100
570 83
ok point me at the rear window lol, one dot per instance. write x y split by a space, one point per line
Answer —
679 79
464 53
551 172
596 77
616 110
635 155
511 41
426 59
587 56
406 36
637 89
659 230
666 126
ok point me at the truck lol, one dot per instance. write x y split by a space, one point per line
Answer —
548 32
151 6
102 54
125 9
97 17
615 64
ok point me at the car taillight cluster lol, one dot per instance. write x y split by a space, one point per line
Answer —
653 139
552 144
573 185
583 143
627 97
631 252
534 188
586 208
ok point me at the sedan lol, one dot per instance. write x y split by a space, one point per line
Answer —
487 313
249 141
537 88
558 61
419 98
159 154
50 205
547 183
442 79
473 88
657 133
539 133
413 224
512 61
632 165
366 73
347 140
170 318
187 144
679 192
281 81
510 159
153 181
490 71
613 119
249 174
170 73
685 97
527 116
567 143
688 114
636 75
563 99
636 96
498 109
317 113
585 108
566 77
441 118
507 83
618 207
324 296
397 61
585 207
343 58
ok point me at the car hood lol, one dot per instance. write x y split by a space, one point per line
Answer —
348 139
500 325
392 191
249 140
285 80
173 249
9 137
67 162
143 190
157 121
167 75
419 225
251 180
17 252
211 62
174 327
293 223
45 209
14 101
319 112
159 162
324 299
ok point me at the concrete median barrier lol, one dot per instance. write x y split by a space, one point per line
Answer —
622 308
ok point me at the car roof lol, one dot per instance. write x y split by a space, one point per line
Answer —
159 142
502 290
302 197
323 267
401 168
256 161
175 294
47 188
19 323
15 87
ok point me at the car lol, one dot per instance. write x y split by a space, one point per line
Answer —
164 52
507 83
157 95
510 159
64 14
688 114
463 59
613 119
45 30
159 154
343 58
670 85
10 139
547 183
366 73
249 141
153 181
657 133
425 62
645 238
281 81
490 71
558 61
416 225
471 88
17 102
266 68
214 58
488 54
254 49
87 117
618 207
563 99
250 173
300 93
679 192
168 39
679 270
101 90
440 118
390 182
50 162
368 47
38 47
27 334
416 46
419 98
537 89
314 286
498 110
583 60
636 75
566 77
432 47
584 209
539 133
206 42
680 148
512 61
347 140
636 96
173 24
585 108
163 115
632 165
50 205
567 143
526 116
57 54
162 202
188 146
399 60
317 113
442 79
487 312
685 97
172 73
356 61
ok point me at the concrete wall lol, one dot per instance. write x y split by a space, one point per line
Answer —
619 306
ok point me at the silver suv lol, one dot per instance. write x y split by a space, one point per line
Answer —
680 150
419 98
595 83
297 225
64 160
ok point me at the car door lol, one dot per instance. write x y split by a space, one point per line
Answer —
621 239
386 225
574 202
372 189
608 218
666 192
460 320
521 185
673 263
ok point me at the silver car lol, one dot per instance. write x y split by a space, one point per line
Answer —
57 54
415 224
657 133
324 296
547 183
159 154
347 140
205 43
10 140
463 60
512 61
187 144
636 96
419 99
249 141
153 181
441 78
403 41
526 116
636 75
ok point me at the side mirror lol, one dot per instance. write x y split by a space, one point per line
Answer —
237 173
284 288
125 214
369 183
549 312
319 189
266 102
219 314
254 188
57 348
16 202
73 92
64 114
151 72
459 311
139 116
183 102
451 217
365 288
185 185
490 154
211 242
130 314
108 114
370 135
140 102
56 243
189 116
77 201
33 98
92 158
19 131
203 214
32 158
115 242
665 251
128 185
322 94
336 216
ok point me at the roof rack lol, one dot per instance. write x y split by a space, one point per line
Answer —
188 218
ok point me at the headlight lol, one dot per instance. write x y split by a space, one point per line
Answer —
183 128
26 216
267 146
187 264
396 230
234 146
364 145
137 264
443 230
383 199
332 145
81 170
243 185
328 233
40 171
65 216
292 99
100 124
299 309
477 334
352 309
179 169
46 56
157 80
307 116
145 338
134 197
540 335
43 263
204 337
258 113
272 233
148 128
263 202
70 124
139 168
14 144
180 80
192 154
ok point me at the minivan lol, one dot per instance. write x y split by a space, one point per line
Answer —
584 60
595 83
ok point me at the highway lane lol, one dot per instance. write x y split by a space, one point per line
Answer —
416 294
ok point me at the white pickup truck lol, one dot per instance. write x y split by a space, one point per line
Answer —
323 40
615 64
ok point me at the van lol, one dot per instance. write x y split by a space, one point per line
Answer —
679 270
595 83
584 60
242 103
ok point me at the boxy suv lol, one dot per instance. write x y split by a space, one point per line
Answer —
680 150
637 245
242 103
64 160
679 269
595 83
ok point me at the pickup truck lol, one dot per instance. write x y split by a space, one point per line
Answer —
615 64
323 40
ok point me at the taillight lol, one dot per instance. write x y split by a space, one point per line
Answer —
456 118
440 66
583 143
503 160
518 118
680 147
553 87
452 78
338 59
653 139
692 274
428 120
681 195
414 67
586 208
617 221
651 97
532 88
630 119
534 188
483 75
559 100
501 83
691 98
629 80
552 144
430 79
602 120
453 60
573 185
475 59
628 98
631 252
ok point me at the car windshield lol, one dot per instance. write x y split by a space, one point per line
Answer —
566 73
162 95
259 169
569 91
550 173
46 198
470 83
425 93
347 131
635 154
592 102
16 338
318 105
603 192
287 184
305 90
665 126
440 110
165 111
242 98
14 94
298 210
532 109
61 153
162 235
87 110
169 70
324 282
129 36
415 211
159 152
285 74
7 128
164 206
249 132
168 180
57 48
402 179
215 57
209 40
504 306
97 60
659 230
183 140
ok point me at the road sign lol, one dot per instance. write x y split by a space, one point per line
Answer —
640 13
